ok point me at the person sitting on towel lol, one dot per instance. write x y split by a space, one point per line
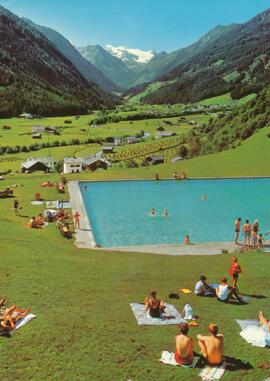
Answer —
154 306
40 220
264 323
203 289
184 346
225 292
212 346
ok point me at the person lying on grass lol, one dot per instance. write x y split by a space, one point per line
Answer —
212 346
225 292
184 346
154 306
11 316
203 289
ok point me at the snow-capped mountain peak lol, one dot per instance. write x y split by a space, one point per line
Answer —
130 55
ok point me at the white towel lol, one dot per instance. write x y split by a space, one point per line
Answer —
170 316
257 336
20 323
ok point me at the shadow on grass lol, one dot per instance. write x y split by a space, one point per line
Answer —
256 296
234 364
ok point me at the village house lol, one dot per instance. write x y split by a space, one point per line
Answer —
32 164
131 140
107 149
164 134
94 162
36 136
155 159
43 129
73 165
115 141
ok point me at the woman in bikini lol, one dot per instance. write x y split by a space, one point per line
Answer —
154 306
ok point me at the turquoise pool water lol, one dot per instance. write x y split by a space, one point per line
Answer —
119 211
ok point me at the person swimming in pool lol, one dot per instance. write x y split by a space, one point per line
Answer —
203 197
165 213
152 212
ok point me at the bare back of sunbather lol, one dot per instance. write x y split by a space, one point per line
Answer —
184 349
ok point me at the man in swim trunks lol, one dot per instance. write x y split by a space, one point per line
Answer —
246 230
212 347
184 346
237 227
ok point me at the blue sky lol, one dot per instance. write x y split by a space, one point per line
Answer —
145 24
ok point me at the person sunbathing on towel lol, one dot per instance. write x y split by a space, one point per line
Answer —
12 315
184 346
212 346
154 306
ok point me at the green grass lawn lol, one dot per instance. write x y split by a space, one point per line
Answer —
85 329
226 99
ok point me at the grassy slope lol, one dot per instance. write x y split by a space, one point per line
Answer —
226 99
85 328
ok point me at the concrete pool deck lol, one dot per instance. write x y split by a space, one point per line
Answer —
84 237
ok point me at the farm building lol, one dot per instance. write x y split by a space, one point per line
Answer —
26 115
164 134
73 165
39 129
46 164
94 162
36 136
131 140
116 141
108 149
155 159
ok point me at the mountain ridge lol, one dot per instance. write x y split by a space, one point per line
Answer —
36 77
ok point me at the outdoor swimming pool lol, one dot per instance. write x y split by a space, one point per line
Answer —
119 210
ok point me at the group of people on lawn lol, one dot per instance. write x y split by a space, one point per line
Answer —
211 346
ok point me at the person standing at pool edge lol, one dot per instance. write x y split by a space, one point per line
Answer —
254 232
77 220
237 226
246 230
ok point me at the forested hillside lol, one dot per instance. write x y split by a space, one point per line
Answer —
228 131
35 77
237 61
